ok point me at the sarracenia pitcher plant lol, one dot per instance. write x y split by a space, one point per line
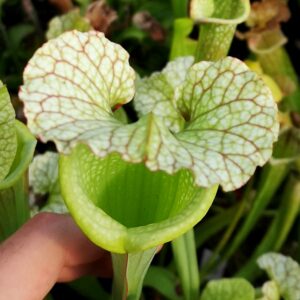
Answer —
132 187
16 150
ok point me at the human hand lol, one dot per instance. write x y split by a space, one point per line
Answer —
47 249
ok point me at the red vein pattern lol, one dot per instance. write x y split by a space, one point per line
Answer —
216 119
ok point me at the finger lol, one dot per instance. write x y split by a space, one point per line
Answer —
30 261
77 248
101 268
33 258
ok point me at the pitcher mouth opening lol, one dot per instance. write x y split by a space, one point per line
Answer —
124 207
132 194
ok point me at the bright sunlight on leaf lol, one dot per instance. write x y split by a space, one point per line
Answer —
217 120
230 118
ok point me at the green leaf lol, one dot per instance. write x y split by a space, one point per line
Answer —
43 173
231 119
228 289
14 206
284 271
132 33
67 22
270 291
163 281
185 258
217 120
267 41
180 8
287 148
120 114
18 33
157 93
68 94
182 45
55 203
25 149
43 178
8 137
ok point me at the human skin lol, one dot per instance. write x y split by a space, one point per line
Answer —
49 248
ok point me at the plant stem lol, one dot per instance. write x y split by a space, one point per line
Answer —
182 45
289 212
213 225
187 265
14 208
272 177
185 254
184 248
213 260
180 8
218 27
278 230
214 41
129 272
278 65
163 281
